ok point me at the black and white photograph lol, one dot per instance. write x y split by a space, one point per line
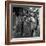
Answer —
25 22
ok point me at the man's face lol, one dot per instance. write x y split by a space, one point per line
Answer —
32 22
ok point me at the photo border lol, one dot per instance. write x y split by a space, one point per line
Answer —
7 26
